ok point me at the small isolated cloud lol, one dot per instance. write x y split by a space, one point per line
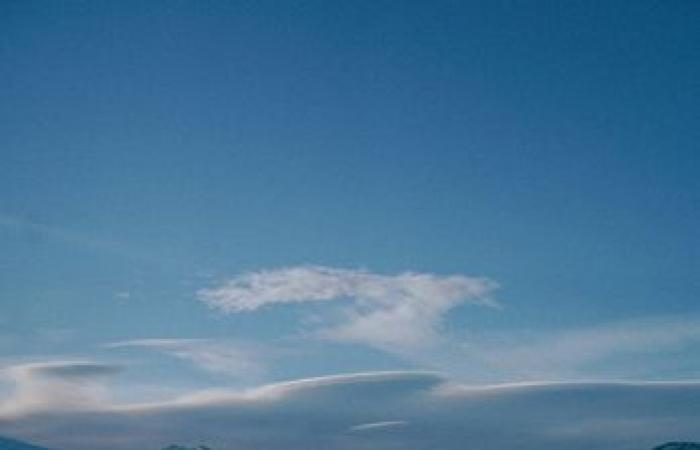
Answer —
123 295
395 313
225 357
387 424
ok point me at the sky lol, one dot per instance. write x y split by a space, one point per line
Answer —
258 209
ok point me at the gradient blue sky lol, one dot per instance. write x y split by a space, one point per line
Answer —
153 150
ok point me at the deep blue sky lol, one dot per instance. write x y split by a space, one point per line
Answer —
153 149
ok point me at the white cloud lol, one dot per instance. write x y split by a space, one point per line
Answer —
123 295
418 411
44 386
387 424
395 313
225 357
588 352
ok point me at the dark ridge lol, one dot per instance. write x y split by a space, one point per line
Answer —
13 444
678 446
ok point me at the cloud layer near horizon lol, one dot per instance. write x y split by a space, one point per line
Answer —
380 411
54 385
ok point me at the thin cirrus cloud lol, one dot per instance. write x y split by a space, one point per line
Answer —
396 313
379 411
378 426
36 230
657 343
215 356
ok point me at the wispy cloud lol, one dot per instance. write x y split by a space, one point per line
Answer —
243 360
33 229
372 426
123 295
63 385
589 351
402 313
396 313
420 410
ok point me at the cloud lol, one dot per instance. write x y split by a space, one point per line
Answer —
602 350
123 295
378 425
216 356
417 411
402 314
36 231
44 386
396 313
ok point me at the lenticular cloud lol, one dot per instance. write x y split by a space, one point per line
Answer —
379 411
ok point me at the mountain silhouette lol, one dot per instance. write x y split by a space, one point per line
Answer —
13 444
678 446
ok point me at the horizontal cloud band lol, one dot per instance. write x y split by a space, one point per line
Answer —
383 411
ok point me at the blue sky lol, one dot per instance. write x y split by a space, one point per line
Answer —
228 194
